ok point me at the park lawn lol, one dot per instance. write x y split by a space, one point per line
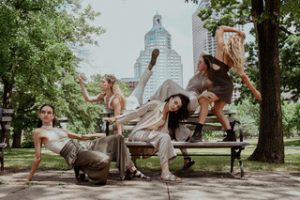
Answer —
21 159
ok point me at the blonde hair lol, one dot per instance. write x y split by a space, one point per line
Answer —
116 90
235 51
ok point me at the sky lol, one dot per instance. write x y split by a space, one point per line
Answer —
126 22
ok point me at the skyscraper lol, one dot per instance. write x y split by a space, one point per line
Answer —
168 65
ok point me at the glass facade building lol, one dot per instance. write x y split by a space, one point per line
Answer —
168 65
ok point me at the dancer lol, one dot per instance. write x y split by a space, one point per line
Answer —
112 96
196 85
156 118
228 56
93 158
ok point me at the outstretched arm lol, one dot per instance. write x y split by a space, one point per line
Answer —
85 93
84 137
133 114
251 87
37 155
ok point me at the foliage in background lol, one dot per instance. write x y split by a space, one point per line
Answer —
291 119
38 64
233 12
248 114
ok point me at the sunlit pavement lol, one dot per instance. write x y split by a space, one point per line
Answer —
195 185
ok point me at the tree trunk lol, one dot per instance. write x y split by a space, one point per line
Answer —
270 147
17 136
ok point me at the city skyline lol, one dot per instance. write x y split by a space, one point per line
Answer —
126 22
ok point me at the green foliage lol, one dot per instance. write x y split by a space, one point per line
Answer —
248 114
37 59
233 12
291 119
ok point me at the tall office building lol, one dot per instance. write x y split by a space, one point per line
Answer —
168 65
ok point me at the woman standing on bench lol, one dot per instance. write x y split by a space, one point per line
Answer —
112 95
228 56
156 118
94 159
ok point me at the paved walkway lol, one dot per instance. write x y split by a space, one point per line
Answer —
60 185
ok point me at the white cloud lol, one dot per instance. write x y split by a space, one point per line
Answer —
126 23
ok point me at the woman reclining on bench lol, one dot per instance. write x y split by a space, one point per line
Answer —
196 85
94 159
156 118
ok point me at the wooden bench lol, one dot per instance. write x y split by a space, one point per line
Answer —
235 150
211 124
5 121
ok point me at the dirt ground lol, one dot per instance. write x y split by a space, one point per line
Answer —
195 185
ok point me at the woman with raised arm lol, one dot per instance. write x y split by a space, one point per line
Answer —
156 118
92 158
112 95
228 56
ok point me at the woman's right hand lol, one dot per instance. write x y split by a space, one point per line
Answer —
81 78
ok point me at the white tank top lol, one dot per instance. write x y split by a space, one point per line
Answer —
108 104
57 139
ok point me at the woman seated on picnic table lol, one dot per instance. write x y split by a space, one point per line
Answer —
156 118
92 158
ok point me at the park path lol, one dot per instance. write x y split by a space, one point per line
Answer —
59 185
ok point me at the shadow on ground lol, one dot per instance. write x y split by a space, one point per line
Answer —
58 185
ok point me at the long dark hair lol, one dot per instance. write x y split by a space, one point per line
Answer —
179 115
40 123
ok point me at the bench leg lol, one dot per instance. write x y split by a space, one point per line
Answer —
232 159
2 159
236 154
241 168
107 128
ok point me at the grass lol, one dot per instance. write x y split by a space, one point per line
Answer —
21 159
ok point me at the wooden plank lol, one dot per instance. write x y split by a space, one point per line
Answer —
6 119
7 111
193 145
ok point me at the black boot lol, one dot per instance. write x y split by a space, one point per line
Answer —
230 137
187 165
197 135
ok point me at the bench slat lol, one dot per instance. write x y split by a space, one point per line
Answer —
193 145
6 119
7 111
